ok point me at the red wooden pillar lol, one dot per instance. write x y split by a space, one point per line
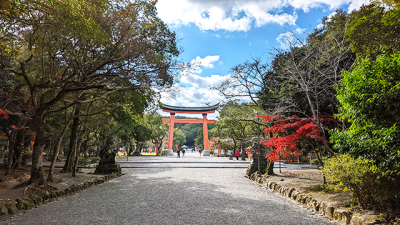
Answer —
171 131
205 131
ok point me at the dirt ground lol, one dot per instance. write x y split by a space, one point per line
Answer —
11 186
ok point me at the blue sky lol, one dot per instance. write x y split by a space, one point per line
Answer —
219 34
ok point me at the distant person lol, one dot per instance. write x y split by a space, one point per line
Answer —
231 155
183 151
200 151
237 155
178 151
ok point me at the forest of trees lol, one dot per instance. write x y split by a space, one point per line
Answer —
77 72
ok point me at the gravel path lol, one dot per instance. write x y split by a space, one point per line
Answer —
173 196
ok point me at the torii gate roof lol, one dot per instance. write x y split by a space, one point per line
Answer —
170 108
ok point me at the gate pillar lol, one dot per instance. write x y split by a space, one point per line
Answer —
171 134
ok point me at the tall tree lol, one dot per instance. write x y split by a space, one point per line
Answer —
374 29
369 96
308 72
58 48
238 122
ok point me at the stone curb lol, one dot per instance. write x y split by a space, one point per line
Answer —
341 215
42 196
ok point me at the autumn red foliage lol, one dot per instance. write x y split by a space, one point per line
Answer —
288 132
3 115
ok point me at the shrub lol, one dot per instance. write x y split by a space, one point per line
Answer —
373 187
82 161
314 162
94 159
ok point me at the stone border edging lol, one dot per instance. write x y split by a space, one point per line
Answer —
42 196
340 214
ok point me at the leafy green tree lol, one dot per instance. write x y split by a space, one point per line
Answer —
141 134
199 139
193 133
58 48
237 121
179 137
374 29
369 96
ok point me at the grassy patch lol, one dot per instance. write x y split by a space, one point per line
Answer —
322 188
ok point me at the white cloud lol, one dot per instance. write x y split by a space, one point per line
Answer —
300 31
319 26
191 75
330 16
239 15
285 39
288 39
203 82
355 4
194 89
217 35
206 62
230 15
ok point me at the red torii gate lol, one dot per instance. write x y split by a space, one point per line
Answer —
188 110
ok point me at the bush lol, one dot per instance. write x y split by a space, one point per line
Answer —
94 159
212 151
82 161
314 162
373 187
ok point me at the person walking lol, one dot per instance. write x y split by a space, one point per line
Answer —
200 150
237 155
178 151
183 151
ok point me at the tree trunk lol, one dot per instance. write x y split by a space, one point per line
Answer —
11 147
37 154
77 153
53 158
18 146
270 168
242 147
85 147
56 152
72 140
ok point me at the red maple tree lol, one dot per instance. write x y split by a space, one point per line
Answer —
3 114
288 132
